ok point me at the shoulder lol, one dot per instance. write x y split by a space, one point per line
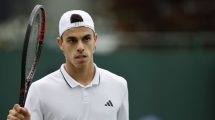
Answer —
108 76
50 79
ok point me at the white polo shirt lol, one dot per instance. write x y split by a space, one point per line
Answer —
58 96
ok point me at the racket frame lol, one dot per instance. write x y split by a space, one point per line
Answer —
27 79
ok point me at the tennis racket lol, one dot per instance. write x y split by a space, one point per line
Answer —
31 49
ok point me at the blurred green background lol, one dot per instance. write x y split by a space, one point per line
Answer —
165 50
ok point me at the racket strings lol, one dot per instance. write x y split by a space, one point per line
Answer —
32 49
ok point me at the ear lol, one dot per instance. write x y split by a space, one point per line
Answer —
95 37
95 40
59 42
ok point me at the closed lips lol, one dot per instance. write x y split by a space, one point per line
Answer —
80 56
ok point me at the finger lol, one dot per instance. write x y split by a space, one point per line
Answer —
26 112
16 114
12 112
22 110
17 107
10 117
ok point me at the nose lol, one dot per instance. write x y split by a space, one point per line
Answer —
80 47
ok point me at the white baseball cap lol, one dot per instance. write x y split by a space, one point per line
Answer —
66 21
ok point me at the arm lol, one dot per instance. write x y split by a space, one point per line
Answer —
33 102
123 113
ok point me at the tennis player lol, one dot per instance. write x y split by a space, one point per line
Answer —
79 89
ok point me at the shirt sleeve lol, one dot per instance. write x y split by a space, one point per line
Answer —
123 113
33 103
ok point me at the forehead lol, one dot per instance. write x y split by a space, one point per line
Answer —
78 32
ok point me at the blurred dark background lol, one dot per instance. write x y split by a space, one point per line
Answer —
165 49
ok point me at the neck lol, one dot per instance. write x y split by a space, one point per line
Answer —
82 75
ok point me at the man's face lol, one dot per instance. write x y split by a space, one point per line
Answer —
78 46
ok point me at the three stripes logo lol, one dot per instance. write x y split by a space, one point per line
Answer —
109 103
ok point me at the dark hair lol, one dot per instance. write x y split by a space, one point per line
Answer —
73 19
76 18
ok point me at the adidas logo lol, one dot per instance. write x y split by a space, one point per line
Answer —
109 103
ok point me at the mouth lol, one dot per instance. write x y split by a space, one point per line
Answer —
80 56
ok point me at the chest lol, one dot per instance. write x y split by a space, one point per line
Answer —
82 104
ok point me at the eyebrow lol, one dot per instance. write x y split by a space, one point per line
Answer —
70 37
73 37
87 35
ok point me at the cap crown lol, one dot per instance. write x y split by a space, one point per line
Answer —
75 18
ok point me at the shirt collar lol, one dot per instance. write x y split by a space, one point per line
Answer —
73 83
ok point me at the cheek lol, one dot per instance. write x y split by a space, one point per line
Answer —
92 47
68 53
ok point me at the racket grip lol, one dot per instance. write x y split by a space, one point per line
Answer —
22 97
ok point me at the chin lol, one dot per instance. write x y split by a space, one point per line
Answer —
82 64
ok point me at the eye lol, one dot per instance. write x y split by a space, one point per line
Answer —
87 38
71 40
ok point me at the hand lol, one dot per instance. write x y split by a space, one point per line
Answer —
18 113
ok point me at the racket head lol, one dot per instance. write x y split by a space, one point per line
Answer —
31 49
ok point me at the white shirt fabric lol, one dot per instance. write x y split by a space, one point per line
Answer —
58 96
